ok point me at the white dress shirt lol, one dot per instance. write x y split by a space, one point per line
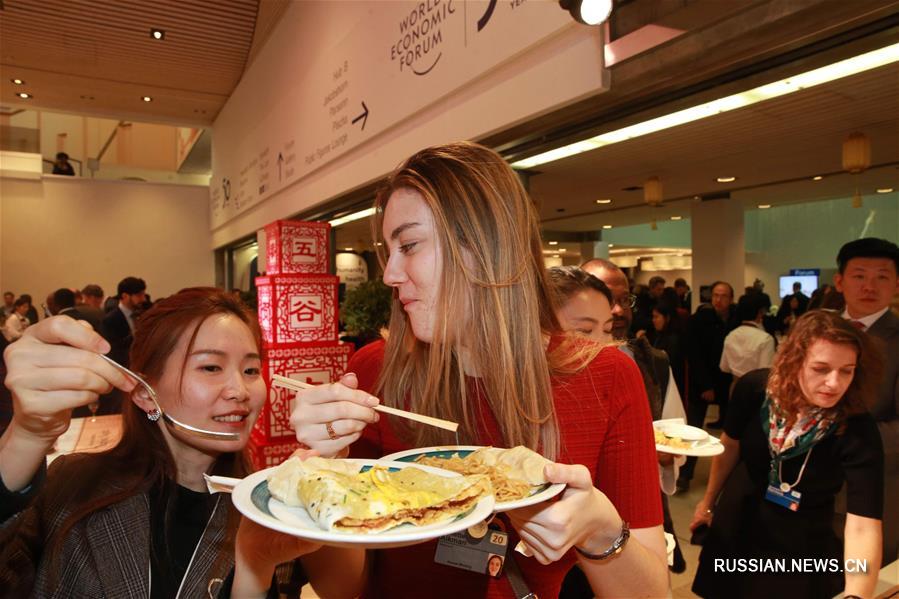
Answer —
748 347
14 326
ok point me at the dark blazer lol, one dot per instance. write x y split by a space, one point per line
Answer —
705 343
105 555
91 315
116 331
885 333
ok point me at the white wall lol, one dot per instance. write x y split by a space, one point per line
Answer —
68 232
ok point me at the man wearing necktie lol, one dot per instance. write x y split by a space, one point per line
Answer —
868 278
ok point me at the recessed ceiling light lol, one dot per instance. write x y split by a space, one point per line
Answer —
378 244
553 243
555 255
611 245
727 179
24 95
18 81
348 249
764 206
147 99
157 34
885 190
817 178
607 226
676 217
604 201
562 250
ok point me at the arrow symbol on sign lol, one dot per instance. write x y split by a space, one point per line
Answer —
363 116
280 161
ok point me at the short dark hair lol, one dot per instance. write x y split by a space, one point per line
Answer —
567 280
656 280
868 247
64 298
21 302
5 293
93 291
716 283
749 306
131 285
62 156
26 297
679 282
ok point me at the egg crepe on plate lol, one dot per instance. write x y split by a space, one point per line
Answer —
340 498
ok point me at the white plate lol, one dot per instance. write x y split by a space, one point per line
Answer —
701 449
683 431
547 491
253 500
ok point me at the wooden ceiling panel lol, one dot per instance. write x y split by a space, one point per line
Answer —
103 49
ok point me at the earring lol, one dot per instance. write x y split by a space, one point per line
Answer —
153 415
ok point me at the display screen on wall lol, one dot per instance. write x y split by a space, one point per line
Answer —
809 283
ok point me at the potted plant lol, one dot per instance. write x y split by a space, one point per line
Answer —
366 310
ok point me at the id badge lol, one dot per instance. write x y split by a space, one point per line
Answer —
485 554
789 499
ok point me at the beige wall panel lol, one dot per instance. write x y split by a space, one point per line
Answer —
68 233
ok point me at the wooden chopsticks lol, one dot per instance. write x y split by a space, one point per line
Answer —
295 385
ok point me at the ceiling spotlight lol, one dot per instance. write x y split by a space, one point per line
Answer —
726 179
348 249
18 81
604 201
676 217
764 206
378 244
607 226
24 95
555 255
588 12
611 245
885 190
157 34
817 178
147 99
553 243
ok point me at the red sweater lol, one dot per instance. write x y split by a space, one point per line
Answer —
605 424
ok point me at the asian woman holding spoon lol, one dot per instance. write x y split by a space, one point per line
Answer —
137 520
474 339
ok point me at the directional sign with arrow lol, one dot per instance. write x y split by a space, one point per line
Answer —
363 116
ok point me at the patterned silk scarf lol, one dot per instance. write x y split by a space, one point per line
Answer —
809 428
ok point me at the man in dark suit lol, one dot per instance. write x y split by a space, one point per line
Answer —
91 306
706 332
868 278
118 325
62 301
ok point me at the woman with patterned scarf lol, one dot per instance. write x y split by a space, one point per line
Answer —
793 436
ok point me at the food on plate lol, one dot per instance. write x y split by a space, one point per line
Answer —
338 497
514 473
675 442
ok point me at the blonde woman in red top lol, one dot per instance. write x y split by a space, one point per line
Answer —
473 337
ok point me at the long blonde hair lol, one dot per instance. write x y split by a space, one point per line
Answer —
492 272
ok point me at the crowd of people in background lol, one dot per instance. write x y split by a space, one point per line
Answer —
823 367
588 358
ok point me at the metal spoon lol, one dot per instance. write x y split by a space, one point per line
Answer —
186 428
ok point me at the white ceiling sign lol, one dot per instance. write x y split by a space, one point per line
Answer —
398 59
